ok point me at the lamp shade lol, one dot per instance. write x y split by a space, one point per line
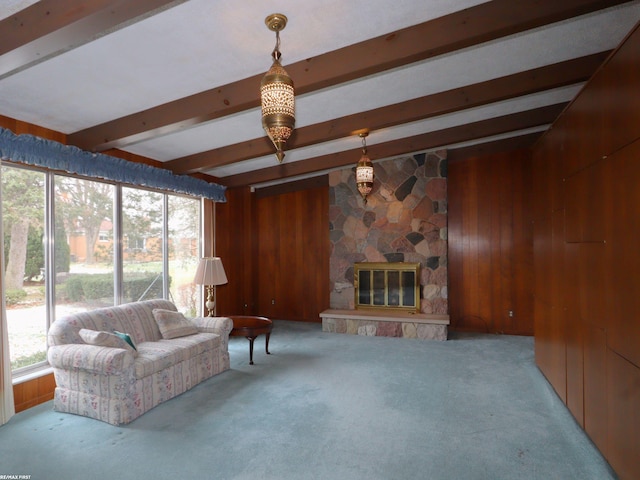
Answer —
278 106
364 171
277 94
210 272
364 175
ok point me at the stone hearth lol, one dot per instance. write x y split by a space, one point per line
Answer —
386 324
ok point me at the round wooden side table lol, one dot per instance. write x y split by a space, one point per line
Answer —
250 327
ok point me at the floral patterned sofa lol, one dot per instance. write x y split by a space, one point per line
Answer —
116 363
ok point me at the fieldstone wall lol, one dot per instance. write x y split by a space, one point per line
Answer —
404 220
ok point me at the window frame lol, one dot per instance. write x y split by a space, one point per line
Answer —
22 373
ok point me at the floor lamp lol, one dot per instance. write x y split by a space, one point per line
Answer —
210 273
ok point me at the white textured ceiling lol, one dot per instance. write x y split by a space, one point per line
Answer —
193 46
9 7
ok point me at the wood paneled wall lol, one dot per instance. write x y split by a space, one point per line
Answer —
293 257
235 243
275 249
33 392
20 128
586 257
490 243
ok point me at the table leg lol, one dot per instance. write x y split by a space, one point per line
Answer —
266 345
251 339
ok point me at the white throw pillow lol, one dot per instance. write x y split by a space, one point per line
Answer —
173 324
108 339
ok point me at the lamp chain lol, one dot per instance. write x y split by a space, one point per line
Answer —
276 50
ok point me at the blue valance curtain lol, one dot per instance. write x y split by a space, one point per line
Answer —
40 152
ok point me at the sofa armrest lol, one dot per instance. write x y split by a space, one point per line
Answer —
220 325
90 358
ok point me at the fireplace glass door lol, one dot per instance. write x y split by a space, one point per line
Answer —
387 285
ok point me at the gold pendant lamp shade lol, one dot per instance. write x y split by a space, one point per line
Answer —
277 94
364 171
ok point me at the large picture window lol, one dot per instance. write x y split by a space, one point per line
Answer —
142 241
183 236
83 265
23 222
74 244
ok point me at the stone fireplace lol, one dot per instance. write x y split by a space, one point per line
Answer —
404 221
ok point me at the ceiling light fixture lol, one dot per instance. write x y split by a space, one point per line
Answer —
364 170
277 94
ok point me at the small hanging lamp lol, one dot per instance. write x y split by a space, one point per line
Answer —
277 94
364 170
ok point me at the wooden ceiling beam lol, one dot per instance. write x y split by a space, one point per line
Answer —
404 146
481 23
511 86
50 27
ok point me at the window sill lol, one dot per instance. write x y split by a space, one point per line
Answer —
32 374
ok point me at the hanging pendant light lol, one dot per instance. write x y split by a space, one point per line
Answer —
277 94
364 170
